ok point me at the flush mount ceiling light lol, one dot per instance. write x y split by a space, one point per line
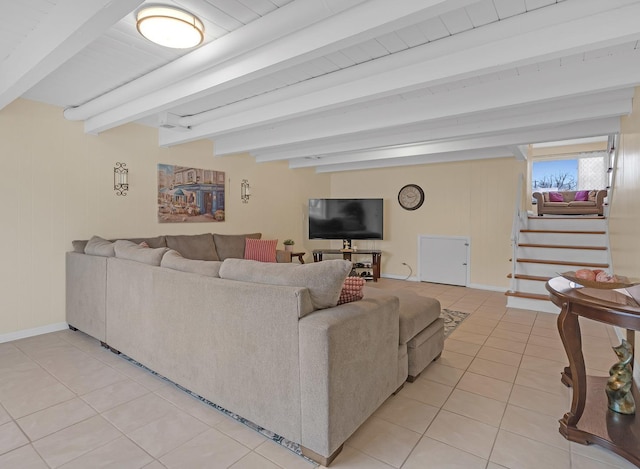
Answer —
170 27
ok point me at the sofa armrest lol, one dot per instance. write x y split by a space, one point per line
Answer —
86 289
600 195
539 198
348 368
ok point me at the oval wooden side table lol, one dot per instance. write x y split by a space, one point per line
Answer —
590 421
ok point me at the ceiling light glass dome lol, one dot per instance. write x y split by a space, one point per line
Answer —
170 27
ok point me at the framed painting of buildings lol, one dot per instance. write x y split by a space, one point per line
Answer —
190 195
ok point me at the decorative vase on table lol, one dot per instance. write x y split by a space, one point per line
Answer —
620 381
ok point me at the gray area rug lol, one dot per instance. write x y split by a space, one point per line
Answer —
452 319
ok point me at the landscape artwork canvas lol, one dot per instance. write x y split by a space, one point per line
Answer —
190 195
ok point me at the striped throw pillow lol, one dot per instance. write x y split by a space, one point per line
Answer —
263 250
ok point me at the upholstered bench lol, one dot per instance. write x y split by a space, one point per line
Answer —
421 331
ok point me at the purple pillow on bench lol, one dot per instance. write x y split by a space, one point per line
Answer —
555 197
582 196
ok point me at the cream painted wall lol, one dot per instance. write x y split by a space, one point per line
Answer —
475 199
58 186
624 217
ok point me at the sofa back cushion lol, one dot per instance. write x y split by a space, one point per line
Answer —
79 245
199 247
129 250
263 250
324 279
232 246
156 242
98 246
174 260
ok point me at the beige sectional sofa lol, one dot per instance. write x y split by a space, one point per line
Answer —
264 341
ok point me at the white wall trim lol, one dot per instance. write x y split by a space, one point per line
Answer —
479 286
401 277
59 326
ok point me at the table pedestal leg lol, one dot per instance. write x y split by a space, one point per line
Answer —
575 376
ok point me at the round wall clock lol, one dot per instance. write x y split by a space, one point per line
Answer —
411 197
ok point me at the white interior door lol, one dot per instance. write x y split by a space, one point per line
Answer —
444 259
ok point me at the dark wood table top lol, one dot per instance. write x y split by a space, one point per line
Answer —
608 306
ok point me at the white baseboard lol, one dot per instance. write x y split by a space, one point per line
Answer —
400 277
23 334
479 286
473 285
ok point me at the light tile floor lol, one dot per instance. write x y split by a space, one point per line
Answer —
491 401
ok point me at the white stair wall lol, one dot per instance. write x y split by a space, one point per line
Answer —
555 231
576 239
532 305
530 286
576 223
576 256
547 270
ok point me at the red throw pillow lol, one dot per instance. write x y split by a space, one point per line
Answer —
263 250
582 196
555 197
351 290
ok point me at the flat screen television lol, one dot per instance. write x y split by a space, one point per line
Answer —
345 219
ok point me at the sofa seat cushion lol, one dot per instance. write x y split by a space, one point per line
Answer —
324 280
199 247
174 260
416 312
556 204
232 246
129 250
579 203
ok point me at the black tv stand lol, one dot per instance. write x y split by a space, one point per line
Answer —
372 267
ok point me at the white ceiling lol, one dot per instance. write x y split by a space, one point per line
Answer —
336 84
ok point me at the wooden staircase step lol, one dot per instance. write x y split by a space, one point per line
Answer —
553 262
590 248
564 232
532 296
536 278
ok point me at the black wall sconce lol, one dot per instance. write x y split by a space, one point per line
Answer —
245 191
120 179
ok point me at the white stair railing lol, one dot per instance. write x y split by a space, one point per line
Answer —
611 177
519 221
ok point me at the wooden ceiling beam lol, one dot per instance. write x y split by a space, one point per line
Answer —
549 33
354 25
577 80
